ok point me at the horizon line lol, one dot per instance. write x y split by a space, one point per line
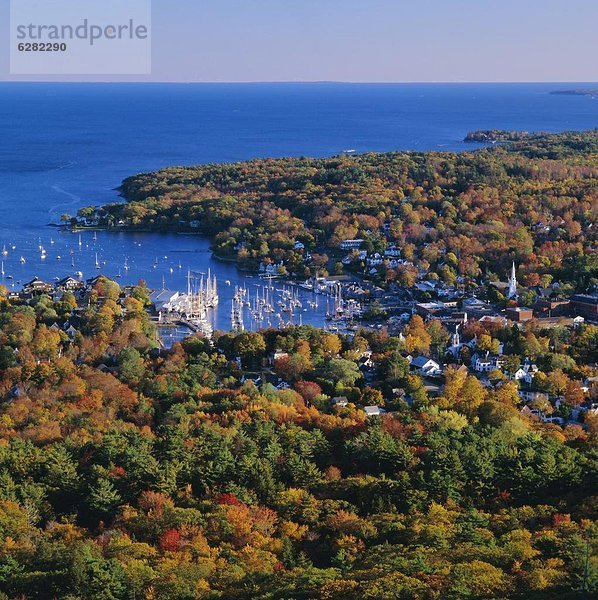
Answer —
306 82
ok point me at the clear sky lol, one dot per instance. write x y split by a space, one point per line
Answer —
368 40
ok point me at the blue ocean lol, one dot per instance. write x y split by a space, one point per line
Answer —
67 145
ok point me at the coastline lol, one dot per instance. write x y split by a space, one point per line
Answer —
291 228
126 230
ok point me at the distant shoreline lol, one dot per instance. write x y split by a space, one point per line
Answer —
587 92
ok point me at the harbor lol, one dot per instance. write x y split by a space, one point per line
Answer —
194 291
253 306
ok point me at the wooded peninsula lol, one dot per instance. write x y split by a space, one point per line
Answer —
455 215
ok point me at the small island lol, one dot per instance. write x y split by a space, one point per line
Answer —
587 92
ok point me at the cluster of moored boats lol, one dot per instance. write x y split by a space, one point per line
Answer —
268 304
282 306
43 255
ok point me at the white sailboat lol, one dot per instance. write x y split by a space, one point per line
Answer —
97 261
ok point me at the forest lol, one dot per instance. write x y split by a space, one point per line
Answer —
128 471
457 216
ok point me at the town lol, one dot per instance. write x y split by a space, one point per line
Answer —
448 336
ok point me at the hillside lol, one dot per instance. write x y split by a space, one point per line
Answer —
212 471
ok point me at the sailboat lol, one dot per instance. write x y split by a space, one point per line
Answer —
95 236
97 262
22 260
126 265
80 242
119 275
72 262
2 269
4 250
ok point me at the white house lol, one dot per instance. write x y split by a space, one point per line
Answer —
69 283
484 363
340 401
278 354
350 244
373 411
374 261
270 269
531 395
392 251
426 366
519 374
525 372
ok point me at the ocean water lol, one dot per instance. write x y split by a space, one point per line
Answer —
63 146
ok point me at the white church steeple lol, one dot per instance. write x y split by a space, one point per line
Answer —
512 293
